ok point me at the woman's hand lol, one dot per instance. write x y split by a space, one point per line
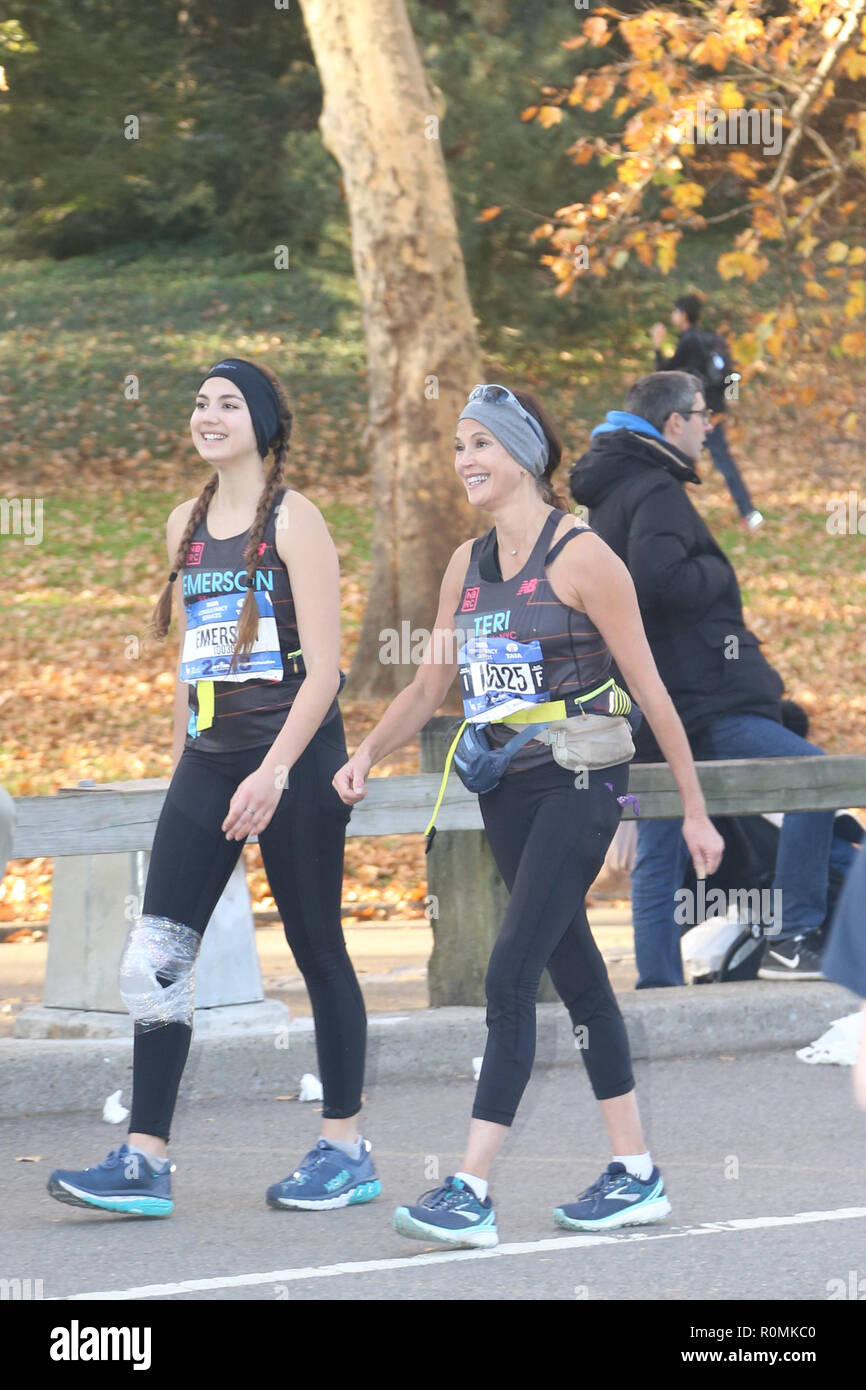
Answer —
350 783
706 845
254 802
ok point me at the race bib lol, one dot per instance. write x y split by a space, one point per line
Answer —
211 633
498 677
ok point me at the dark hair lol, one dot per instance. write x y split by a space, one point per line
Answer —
661 394
691 307
554 449
248 623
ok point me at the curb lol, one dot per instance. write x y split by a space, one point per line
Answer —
39 1076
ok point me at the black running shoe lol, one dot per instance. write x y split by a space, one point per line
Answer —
791 959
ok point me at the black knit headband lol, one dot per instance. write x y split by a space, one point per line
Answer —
258 392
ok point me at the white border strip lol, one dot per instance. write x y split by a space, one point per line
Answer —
446 1256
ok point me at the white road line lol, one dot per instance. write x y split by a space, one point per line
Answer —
557 1243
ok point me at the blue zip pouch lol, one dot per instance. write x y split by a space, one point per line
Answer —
481 767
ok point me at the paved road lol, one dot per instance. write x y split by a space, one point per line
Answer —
757 1140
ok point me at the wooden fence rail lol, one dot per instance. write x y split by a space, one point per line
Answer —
466 896
122 817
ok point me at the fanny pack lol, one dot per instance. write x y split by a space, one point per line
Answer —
480 767
595 741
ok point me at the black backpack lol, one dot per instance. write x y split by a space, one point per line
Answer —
716 367
717 364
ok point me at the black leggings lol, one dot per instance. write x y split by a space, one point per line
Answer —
302 850
549 839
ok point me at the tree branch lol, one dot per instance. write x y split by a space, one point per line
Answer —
822 146
823 197
799 111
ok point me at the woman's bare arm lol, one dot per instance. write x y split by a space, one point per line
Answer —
409 711
306 547
596 581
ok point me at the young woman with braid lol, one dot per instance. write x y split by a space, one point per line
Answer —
258 738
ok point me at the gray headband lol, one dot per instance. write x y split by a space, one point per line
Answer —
513 432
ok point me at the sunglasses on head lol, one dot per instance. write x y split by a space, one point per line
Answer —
500 395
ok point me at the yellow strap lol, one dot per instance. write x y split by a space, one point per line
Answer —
444 781
204 717
533 714
556 709
204 691
537 714
622 702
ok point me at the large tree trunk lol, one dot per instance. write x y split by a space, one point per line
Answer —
422 348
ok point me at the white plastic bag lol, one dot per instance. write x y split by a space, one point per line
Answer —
705 946
622 850
839 1044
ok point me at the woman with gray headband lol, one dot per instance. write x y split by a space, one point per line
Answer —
538 621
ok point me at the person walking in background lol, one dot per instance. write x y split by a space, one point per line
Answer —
706 355
633 480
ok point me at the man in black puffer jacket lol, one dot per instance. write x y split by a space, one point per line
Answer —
634 480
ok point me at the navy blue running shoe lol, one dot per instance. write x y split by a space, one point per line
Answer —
617 1199
123 1182
451 1214
327 1177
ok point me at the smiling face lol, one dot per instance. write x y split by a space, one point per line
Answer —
484 466
221 424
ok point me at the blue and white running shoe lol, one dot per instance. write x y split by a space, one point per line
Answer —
327 1177
451 1214
123 1182
617 1199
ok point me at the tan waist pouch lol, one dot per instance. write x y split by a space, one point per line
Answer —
589 741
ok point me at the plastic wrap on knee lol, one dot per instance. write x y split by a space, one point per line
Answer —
157 971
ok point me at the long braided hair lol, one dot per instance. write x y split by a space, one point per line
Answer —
248 622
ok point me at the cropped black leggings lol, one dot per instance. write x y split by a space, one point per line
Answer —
302 850
549 839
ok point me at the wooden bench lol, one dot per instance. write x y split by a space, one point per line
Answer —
466 895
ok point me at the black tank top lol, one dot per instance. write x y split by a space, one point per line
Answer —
520 644
247 708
